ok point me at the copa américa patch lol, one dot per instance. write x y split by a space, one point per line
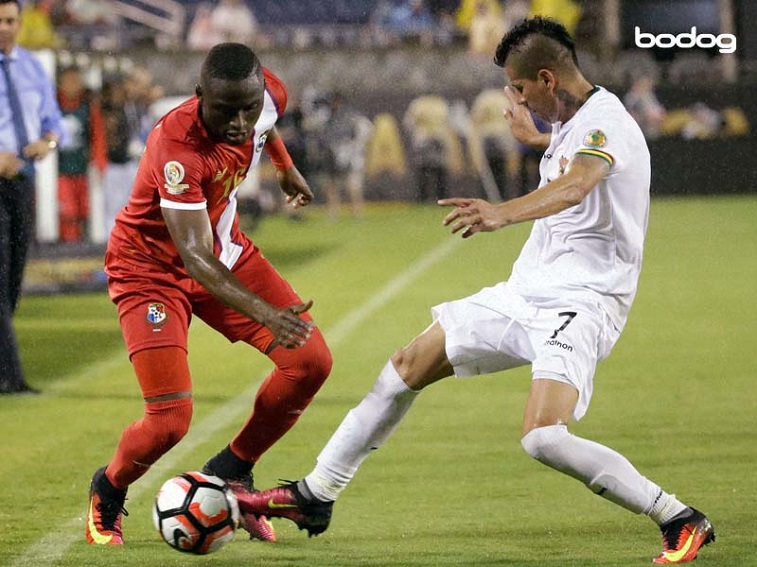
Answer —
174 173
595 139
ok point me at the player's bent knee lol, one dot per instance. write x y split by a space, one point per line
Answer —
542 443
308 365
168 422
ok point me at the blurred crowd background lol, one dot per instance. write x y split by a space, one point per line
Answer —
389 99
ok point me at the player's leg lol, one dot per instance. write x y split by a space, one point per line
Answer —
366 427
561 383
355 190
68 226
155 333
165 421
283 396
333 191
463 339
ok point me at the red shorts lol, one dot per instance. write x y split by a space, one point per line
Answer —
155 307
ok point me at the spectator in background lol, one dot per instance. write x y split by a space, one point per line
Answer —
30 127
128 121
642 103
468 9
344 137
530 158
385 152
37 28
567 12
435 146
486 29
121 168
233 20
202 35
412 20
85 145
494 149
90 12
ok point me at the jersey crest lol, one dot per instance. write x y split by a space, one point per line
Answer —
156 315
595 139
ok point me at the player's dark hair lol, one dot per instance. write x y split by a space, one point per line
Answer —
16 2
231 62
540 43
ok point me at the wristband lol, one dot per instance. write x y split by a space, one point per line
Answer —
279 155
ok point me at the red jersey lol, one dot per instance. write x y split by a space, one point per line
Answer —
184 168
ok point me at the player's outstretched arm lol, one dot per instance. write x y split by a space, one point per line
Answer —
476 215
295 187
290 180
191 232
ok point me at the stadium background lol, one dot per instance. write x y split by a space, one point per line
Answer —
453 486
330 46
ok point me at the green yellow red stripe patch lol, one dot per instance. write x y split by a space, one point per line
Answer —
599 153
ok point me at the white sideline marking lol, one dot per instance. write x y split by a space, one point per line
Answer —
51 548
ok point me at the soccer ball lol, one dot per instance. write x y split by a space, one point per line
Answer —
196 513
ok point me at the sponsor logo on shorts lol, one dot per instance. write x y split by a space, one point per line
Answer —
560 344
156 315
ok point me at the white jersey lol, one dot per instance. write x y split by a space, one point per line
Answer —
592 251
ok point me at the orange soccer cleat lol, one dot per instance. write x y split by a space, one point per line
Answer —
683 537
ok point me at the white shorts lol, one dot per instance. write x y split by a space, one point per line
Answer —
497 329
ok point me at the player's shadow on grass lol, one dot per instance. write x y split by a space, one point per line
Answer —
286 256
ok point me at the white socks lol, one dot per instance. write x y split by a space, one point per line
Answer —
606 472
364 429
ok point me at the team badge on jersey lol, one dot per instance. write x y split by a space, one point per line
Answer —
174 174
261 142
156 315
563 164
595 139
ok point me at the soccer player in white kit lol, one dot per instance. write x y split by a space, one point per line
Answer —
562 309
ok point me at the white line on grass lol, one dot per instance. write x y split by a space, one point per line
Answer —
51 548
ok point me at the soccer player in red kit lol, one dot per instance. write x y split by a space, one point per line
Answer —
177 251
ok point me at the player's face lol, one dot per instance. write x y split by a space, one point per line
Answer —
230 109
10 24
537 95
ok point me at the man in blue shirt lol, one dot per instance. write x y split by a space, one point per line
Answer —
30 125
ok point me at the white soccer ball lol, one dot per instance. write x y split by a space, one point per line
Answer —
196 513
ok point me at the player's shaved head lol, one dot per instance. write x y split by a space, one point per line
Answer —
534 44
231 62
231 92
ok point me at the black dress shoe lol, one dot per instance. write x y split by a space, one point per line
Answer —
18 390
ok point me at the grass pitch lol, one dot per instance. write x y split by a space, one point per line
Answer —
452 486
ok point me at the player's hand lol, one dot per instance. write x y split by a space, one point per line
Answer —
471 216
521 121
37 150
9 165
285 324
294 186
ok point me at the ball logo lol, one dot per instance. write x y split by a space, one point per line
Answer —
725 42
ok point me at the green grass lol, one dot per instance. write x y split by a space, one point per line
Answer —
452 486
